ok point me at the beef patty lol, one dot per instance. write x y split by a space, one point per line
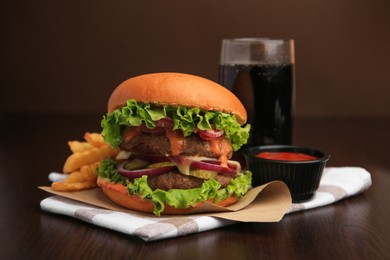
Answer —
176 180
191 145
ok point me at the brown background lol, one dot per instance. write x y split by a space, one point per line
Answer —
67 56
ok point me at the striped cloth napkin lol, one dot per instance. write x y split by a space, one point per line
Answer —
337 183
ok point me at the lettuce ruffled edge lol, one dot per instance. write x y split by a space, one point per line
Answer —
178 198
184 119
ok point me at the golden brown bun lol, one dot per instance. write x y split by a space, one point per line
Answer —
176 89
118 194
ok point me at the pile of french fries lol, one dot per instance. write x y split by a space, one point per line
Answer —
82 164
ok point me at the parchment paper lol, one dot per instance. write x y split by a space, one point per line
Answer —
266 203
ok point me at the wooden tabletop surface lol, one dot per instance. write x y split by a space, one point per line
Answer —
356 228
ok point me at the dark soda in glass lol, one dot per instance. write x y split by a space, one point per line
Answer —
267 92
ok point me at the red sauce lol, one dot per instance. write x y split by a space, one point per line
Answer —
130 133
176 140
286 156
221 147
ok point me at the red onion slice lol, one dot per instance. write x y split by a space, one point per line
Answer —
151 172
213 167
210 134
231 164
184 163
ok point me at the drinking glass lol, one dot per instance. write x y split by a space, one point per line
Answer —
261 73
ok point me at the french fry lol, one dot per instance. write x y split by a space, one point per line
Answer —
89 172
85 173
94 139
75 176
73 186
76 160
77 147
85 178
82 164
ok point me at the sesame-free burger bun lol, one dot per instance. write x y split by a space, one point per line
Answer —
118 194
178 89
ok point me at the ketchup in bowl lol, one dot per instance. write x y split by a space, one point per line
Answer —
300 168
286 156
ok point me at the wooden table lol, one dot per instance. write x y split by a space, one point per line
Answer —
355 228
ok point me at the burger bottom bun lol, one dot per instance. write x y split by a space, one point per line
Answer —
119 195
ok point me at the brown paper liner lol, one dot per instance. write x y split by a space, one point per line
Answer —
265 203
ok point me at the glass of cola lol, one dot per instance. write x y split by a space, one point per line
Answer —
261 73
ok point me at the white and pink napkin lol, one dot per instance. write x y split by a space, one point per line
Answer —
337 183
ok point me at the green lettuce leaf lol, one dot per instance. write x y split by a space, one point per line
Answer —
184 119
108 169
178 198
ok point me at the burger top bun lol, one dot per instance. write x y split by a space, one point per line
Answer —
178 89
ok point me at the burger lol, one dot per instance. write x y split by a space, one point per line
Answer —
176 134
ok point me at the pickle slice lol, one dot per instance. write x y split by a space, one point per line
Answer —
161 164
136 164
198 173
203 174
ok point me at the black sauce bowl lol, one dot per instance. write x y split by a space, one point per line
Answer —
301 177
